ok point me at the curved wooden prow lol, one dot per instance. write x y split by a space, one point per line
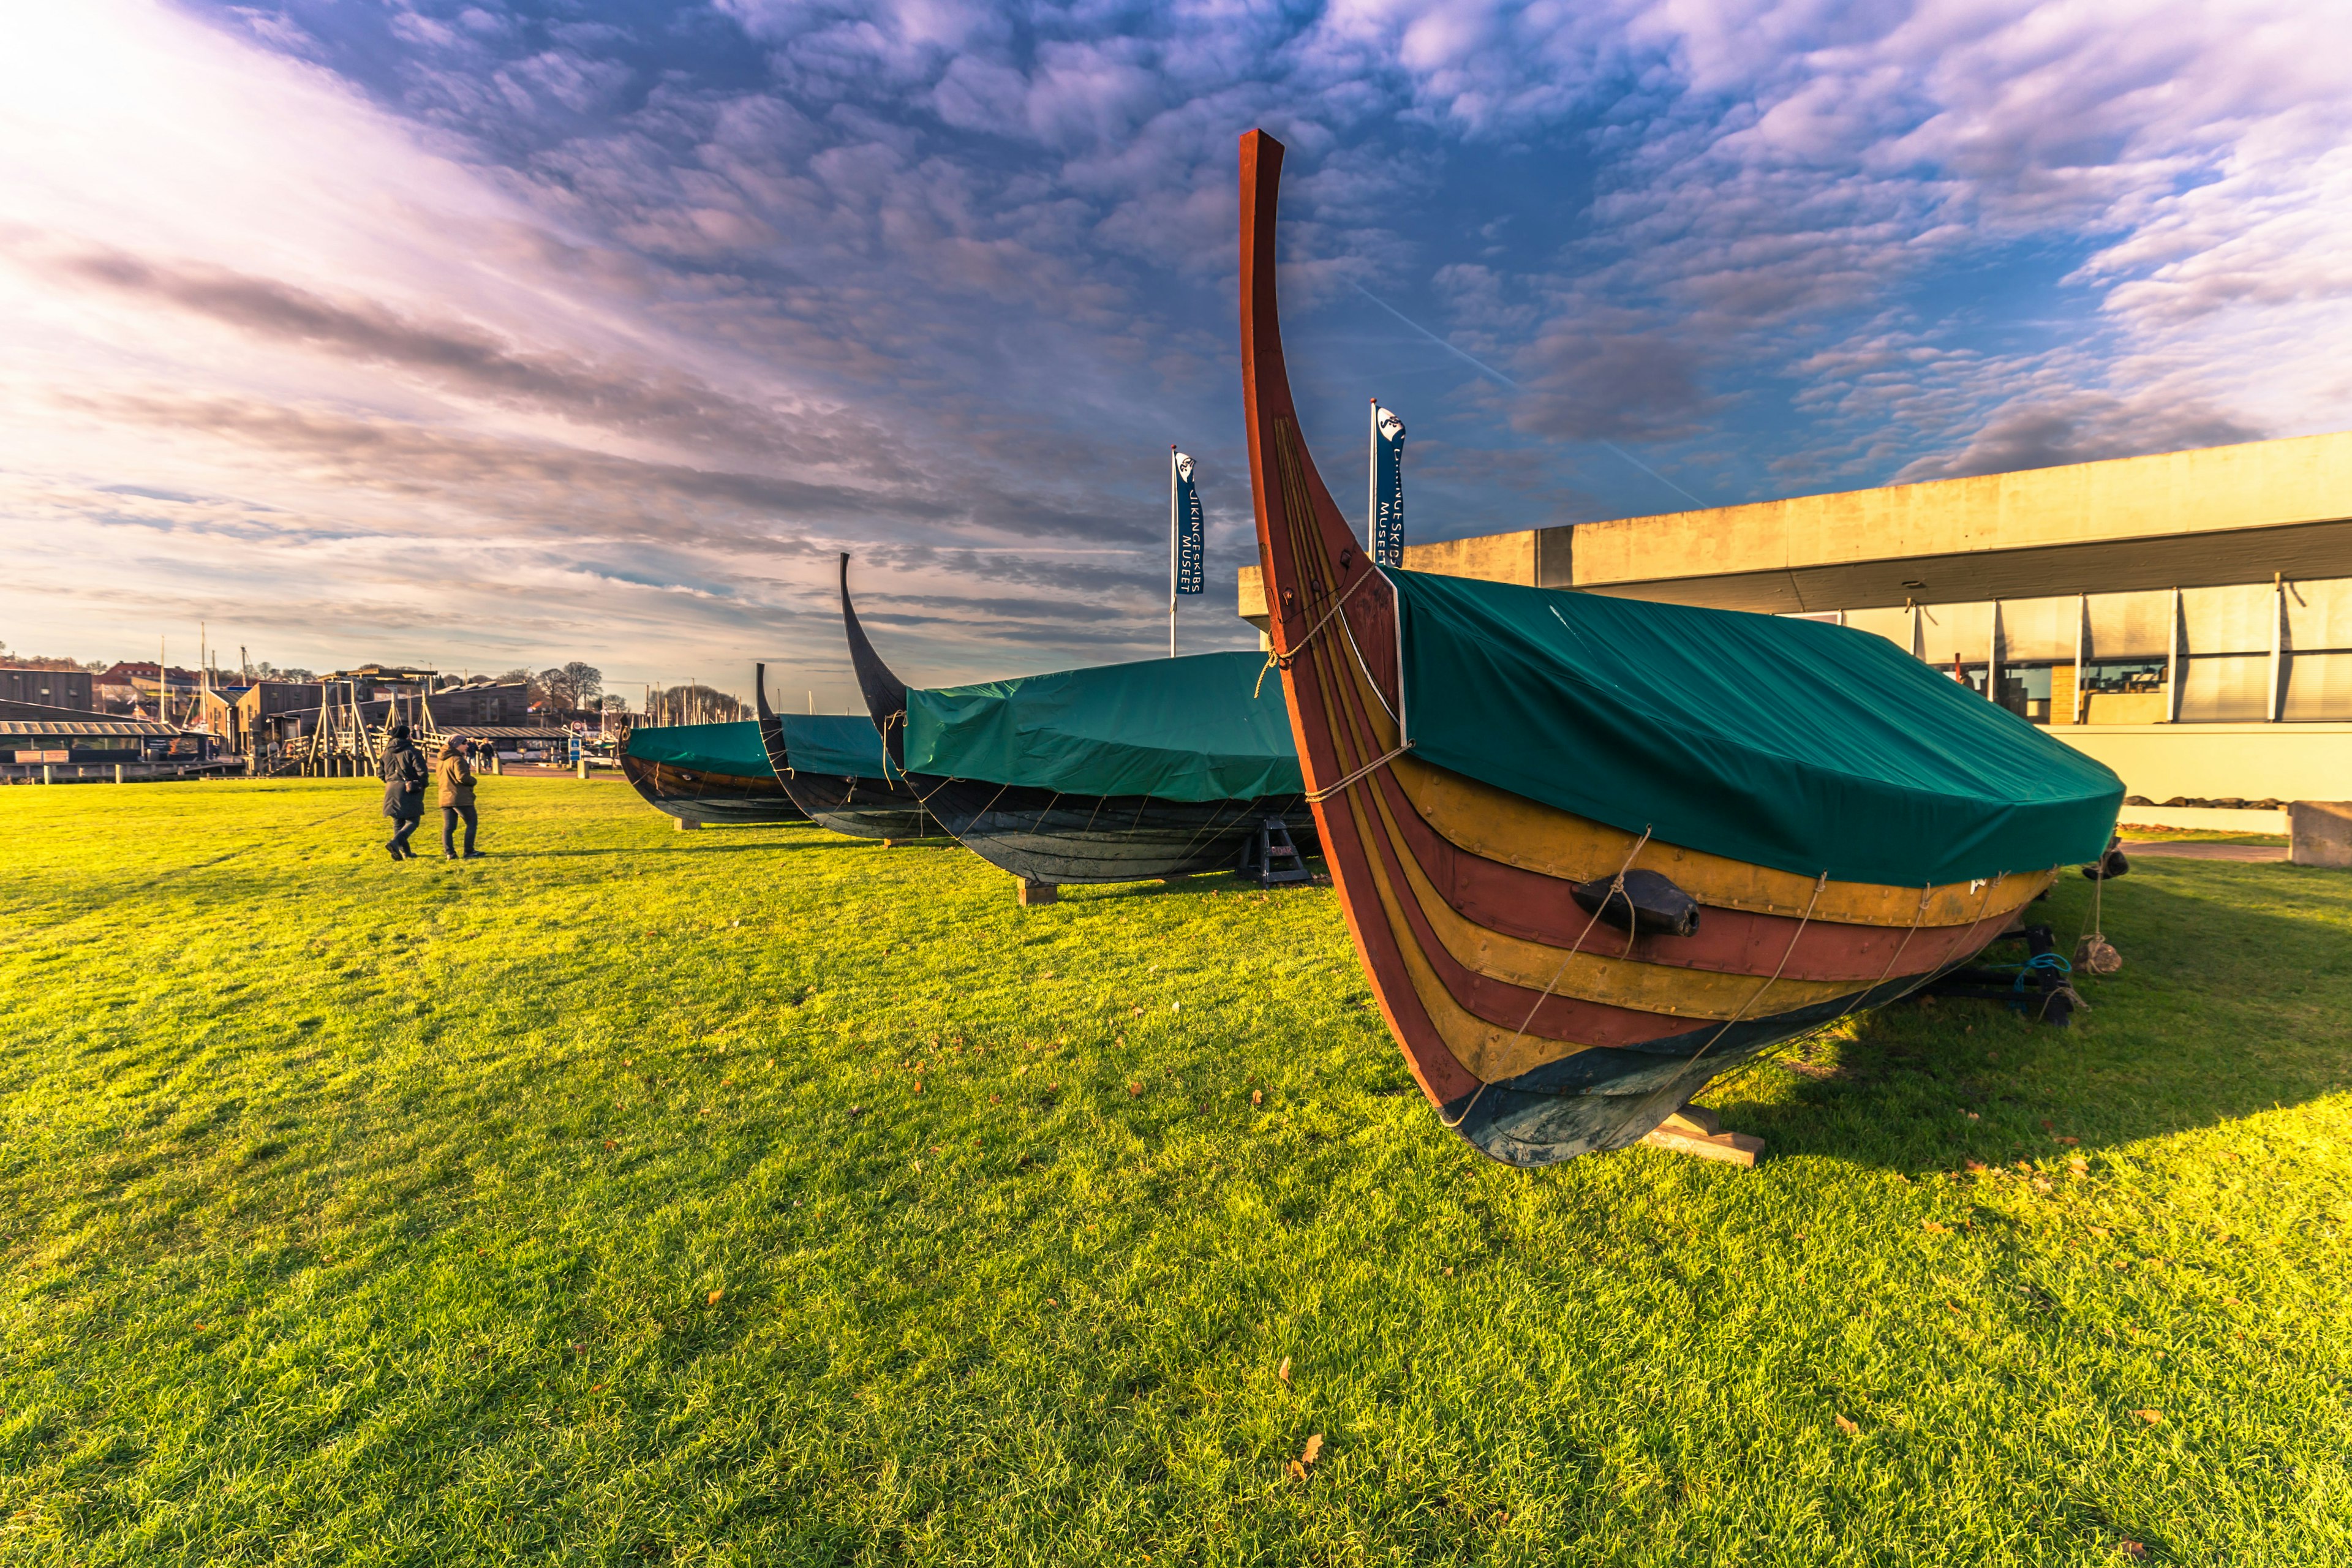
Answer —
885 693
1332 619
760 694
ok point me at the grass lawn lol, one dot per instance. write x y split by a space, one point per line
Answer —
759 1197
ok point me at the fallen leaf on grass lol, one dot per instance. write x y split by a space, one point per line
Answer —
2131 1549
1134 1088
2071 1142
2153 1418
1297 1469
1848 1428
1257 1097
2100 1231
712 1300
1931 1224
1973 1164
1283 1371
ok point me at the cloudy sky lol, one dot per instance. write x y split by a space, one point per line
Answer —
479 335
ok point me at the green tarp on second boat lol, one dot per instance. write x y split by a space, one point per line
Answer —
705 748
1791 743
838 745
1192 728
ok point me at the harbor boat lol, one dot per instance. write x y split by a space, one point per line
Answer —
708 775
1115 773
832 766
1595 851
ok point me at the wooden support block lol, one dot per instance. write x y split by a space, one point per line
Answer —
1694 1130
889 844
1033 894
684 825
1179 876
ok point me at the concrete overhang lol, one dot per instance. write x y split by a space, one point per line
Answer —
2223 514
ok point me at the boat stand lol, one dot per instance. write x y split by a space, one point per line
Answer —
2040 988
1032 894
1269 855
1694 1130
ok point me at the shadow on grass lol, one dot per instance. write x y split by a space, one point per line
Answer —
2237 979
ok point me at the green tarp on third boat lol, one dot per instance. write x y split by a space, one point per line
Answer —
1795 744
838 745
1192 728
706 748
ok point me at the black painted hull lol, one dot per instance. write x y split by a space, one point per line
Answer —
854 807
708 799
1048 838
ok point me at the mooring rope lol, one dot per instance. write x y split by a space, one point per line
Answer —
1616 889
1316 796
1758 995
1283 661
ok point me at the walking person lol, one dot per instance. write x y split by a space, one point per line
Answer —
403 773
457 778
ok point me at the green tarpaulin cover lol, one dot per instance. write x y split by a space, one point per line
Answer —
706 748
838 745
1791 743
1193 729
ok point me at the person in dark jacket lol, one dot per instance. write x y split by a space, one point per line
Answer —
456 776
404 773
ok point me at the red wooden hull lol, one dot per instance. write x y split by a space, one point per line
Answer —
1536 1033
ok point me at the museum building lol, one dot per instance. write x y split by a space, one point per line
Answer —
2185 618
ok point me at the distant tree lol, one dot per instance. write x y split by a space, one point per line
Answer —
48 662
267 671
572 686
697 705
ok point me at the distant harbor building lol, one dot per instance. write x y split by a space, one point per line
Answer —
2185 618
50 687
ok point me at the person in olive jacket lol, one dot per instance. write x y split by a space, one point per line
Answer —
456 777
403 769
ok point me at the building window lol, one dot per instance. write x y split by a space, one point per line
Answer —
2318 686
2025 691
2225 689
2123 691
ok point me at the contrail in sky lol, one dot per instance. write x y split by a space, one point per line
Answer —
1489 370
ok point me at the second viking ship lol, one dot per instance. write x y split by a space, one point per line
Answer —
1117 774
711 775
832 766
1595 851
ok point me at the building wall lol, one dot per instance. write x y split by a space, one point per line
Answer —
2222 762
51 688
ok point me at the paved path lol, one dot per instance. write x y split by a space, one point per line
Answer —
2195 851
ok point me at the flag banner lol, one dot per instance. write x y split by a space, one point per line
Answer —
1388 490
1191 540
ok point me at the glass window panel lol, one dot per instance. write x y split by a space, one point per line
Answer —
2319 615
2236 619
2318 686
1949 631
2034 629
2025 690
2225 689
1893 624
2131 625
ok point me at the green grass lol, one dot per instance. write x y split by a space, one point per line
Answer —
580 1204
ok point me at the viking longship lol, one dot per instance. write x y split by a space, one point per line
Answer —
1594 851
1117 774
832 766
711 775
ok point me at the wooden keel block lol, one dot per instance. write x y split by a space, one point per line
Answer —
685 826
1693 1131
1033 893
891 842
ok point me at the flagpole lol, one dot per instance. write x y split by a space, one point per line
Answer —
1171 552
1373 483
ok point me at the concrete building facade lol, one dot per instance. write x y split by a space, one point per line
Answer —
2185 618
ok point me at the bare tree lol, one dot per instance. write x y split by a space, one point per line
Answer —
571 686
